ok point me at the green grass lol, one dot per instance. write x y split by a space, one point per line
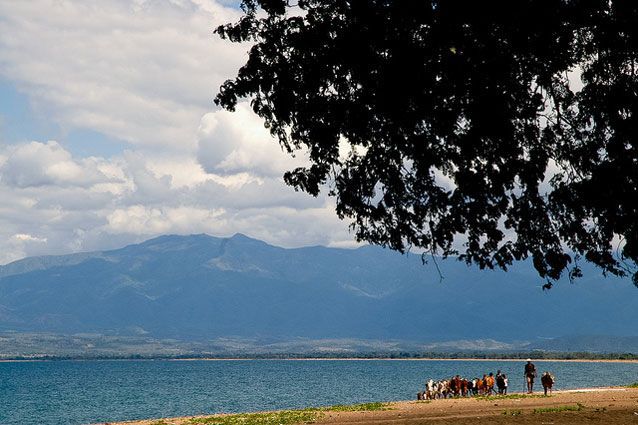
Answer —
363 407
634 385
515 412
284 417
568 408
509 397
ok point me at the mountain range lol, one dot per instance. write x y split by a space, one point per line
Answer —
202 288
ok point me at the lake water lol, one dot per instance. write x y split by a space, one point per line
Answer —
82 392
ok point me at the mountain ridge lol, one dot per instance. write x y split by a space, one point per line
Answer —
203 287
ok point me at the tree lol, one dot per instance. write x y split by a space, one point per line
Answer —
505 128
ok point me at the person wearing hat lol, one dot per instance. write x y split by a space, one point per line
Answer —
530 374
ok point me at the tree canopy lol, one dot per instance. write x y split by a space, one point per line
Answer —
496 131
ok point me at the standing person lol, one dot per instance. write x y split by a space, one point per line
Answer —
548 382
530 374
505 382
490 384
499 382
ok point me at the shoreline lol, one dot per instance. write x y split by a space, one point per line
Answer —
318 359
418 359
605 405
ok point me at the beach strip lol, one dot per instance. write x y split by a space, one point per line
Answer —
613 405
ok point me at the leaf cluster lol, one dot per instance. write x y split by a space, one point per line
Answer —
492 131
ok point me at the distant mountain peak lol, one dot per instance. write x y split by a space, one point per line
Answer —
201 286
243 239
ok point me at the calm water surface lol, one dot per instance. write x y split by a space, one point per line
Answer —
82 392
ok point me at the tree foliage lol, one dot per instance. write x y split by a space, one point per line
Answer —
507 129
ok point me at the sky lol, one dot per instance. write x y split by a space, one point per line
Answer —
109 134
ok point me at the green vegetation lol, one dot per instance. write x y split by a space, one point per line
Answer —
568 408
514 412
284 417
363 407
509 397
634 385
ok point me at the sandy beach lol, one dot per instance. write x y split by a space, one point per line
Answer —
589 405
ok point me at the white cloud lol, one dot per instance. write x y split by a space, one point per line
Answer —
41 164
23 237
143 71
235 142
106 203
142 220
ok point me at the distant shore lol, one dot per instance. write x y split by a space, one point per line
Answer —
411 359
417 359
612 405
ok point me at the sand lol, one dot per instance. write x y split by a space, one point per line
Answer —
596 406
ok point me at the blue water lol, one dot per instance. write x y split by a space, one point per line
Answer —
82 392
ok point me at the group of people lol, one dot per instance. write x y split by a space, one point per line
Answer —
547 379
463 387
489 384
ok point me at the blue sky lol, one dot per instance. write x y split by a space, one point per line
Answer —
108 132
18 120
20 123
